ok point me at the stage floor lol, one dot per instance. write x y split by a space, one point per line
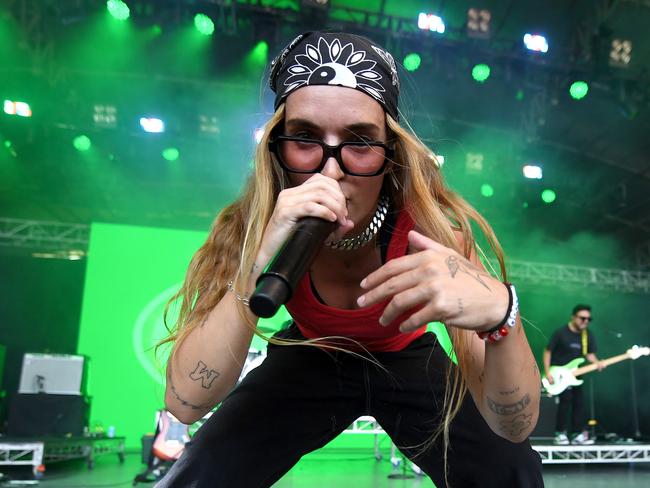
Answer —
334 470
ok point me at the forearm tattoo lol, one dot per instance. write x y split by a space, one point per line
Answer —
510 408
455 265
206 377
509 392
514 427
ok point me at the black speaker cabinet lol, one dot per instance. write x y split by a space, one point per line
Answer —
47 415
546 423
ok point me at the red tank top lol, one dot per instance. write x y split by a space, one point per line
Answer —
315 319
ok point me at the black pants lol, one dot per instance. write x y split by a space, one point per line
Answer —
301 398
571 398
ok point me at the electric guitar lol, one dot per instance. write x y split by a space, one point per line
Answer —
565 376
172 436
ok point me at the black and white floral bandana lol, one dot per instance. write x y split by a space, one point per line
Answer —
340 59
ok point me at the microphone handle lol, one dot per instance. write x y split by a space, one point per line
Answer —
275 285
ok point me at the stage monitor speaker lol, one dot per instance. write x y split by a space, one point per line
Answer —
546 423
57 374
46 415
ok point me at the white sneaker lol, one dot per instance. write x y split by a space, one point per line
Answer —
561 439
582 439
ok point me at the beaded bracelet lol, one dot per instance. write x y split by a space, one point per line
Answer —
231 289
509 321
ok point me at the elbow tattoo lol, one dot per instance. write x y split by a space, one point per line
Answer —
519 420
202 374
180 400
509 408
515 426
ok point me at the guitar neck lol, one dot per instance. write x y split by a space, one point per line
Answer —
606 362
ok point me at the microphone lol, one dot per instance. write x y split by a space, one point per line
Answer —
275 285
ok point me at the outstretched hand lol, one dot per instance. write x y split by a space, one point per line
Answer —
438 284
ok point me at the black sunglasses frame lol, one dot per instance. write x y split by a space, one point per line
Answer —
328 152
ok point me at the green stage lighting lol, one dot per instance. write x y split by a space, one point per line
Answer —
81 143
548 196
171 154
260 53
578 90
487 190
481 72
204 24
118 9
412 61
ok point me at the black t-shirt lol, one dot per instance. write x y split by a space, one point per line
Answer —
566 345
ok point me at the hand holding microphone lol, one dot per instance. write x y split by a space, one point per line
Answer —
304 216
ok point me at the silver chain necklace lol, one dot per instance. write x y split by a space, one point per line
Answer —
360 240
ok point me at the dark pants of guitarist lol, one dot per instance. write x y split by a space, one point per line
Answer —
572 398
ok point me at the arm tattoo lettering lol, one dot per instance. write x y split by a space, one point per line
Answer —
509 392
510 408
517 425
201 373
460 305
180 400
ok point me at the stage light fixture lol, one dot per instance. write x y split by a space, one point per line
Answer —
209 124
82 143
171 154
578 90
152 124
431 22
105 116
21 109
532 172
118 9
548 196
620 53
204 24
487 190
481 72
536 42
479 23
412 61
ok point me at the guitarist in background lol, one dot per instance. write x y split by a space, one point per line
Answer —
569 342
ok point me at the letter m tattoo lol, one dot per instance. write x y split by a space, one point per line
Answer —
201 373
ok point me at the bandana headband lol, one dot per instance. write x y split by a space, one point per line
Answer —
339 59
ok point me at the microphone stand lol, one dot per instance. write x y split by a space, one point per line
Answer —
635 404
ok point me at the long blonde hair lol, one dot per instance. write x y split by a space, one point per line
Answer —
232 245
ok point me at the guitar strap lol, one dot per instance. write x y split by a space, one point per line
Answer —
584 342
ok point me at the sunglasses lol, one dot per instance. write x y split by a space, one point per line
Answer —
584 319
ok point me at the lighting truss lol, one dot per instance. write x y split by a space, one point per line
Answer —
620 53
479 23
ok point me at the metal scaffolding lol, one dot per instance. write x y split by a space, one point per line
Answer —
62 239
563 275
73 238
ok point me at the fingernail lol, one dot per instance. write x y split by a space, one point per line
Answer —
363 283
361 300
382 321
